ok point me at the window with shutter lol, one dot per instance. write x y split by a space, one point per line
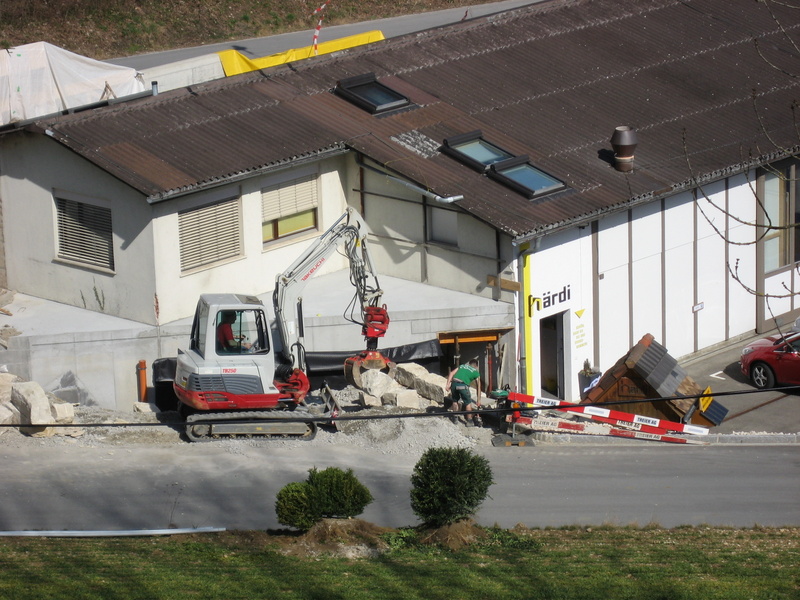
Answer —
210 234
289 208
85 234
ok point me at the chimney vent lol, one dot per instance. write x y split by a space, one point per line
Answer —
624 142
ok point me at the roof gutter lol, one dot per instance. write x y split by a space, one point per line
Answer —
427 193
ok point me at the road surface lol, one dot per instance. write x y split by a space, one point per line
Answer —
132 487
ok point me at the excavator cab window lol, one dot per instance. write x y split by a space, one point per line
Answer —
240 332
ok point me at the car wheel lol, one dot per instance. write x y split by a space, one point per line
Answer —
762 376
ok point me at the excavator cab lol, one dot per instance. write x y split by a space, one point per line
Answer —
230 363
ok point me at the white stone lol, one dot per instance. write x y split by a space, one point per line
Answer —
406 374
34 408
377 383
368 400
9 415
62 412
404 399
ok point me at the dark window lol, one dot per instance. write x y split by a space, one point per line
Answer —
365 92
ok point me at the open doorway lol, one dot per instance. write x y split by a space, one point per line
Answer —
551 355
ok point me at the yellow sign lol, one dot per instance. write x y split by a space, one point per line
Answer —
706 400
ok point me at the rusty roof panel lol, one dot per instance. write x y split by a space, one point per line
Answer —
551 80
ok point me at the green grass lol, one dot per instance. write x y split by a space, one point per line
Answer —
591 563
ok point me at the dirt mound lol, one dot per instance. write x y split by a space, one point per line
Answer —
455 536
348 538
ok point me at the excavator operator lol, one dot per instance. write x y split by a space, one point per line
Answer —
226 341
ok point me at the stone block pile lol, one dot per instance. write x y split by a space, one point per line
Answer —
25 403
412 387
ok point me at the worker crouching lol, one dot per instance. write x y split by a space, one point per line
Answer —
459 381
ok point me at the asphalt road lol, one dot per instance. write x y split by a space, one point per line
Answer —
258 47
749 410
207 485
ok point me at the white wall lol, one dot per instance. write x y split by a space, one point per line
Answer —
32 167
560 273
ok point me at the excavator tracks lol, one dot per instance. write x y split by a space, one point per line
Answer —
205 427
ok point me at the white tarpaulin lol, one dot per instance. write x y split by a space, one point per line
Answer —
39 79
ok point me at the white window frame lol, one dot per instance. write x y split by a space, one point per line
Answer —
84 232
210 235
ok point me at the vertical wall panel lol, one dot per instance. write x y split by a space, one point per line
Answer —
711 269
741 256
679 274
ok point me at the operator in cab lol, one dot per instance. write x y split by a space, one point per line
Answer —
226 341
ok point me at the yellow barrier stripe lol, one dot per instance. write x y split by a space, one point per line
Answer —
234 63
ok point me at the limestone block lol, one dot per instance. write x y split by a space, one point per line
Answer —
431 386
367 400
376 383
62 412
404 399
145 407
34 408
6 381
406 374
9 415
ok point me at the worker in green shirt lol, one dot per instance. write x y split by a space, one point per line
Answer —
458 384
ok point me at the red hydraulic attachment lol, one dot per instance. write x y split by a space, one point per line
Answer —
376 322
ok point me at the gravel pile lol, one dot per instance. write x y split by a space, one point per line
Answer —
382 435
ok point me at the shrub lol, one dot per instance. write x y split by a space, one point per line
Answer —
330 493
337 493
448 485
294 507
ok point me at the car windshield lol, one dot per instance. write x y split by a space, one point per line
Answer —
792 343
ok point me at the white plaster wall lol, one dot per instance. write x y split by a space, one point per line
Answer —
679 274
711 265
255 271
396 215
741 255
648 309
613 288
32 167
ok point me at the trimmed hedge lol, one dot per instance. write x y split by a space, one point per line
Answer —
330 493
448 485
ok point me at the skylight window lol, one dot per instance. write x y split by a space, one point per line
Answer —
515 172
521 176
366 92
474 151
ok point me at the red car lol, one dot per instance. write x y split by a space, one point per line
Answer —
771 360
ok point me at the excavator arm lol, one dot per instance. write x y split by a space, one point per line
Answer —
349 236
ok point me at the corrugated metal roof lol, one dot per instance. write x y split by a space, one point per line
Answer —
551 80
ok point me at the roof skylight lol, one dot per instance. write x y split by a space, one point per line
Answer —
515 172
367 93
521 176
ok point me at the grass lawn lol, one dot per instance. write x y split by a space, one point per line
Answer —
603 562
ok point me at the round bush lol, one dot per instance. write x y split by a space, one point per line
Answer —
449 484
294 506
337 493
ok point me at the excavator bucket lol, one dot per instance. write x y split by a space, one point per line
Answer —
356 366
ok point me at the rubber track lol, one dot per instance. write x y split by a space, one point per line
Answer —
253 415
